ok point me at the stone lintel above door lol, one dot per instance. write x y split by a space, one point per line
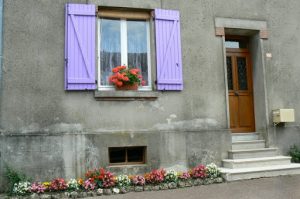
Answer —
243 27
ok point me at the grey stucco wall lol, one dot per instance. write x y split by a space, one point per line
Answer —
37 113
34 50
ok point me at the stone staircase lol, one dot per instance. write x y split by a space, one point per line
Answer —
249 158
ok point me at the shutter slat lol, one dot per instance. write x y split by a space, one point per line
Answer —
168 50
166 17
81 81
81 12
169 81
80 47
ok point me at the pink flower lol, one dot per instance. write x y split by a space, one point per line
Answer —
37 188
89 184
184 176
138 180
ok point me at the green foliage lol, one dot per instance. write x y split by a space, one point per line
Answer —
294 152
13 177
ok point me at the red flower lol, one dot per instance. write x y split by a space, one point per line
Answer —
115 70
199 172
126 79
155 176
119 76
119 83
134 71
124 76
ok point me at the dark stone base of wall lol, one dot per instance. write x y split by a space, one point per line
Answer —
46 156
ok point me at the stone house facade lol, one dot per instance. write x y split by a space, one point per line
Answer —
212 68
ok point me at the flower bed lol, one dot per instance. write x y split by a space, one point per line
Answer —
99 182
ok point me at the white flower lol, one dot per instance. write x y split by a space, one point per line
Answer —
21 188
213 171
73 184
171 176
123 181
100 191
116 190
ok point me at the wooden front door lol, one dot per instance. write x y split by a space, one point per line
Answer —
239 76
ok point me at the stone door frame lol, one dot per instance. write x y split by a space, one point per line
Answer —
258 34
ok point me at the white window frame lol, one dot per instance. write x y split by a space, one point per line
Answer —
124 58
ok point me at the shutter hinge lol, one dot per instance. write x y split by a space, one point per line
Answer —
155 82
66 61
96 81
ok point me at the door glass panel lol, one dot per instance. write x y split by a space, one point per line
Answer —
229 73
242 73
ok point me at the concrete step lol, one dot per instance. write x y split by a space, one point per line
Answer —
244 136
252 144
252 153
259 172
256 162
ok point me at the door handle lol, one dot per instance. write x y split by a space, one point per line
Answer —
236 93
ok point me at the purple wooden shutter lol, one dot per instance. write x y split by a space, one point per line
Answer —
80 41
168 50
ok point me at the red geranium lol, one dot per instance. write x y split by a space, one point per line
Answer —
199 171
58 184
102 178
155 176
125 76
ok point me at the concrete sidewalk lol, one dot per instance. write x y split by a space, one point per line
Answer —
284 187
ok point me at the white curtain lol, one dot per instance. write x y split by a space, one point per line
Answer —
110 52
137 46
110 47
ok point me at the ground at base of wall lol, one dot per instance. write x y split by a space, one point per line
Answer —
114 191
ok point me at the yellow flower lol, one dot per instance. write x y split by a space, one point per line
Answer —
47 184
80 181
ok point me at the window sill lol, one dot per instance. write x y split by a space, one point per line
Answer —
125 95
127 165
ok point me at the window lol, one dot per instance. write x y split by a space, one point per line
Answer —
236 42
123 39
127 155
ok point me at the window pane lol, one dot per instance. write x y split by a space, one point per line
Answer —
137 46
229 73
235 44
110 49
117 155
135 154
